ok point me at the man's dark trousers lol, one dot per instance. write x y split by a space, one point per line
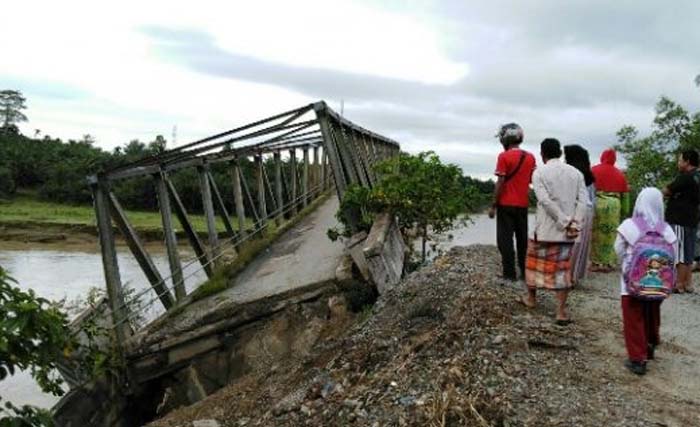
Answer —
511 221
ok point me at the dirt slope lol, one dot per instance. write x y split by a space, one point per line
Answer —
450 347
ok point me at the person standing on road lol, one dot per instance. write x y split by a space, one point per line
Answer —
682 213
562 200
511 199
577 157
641 318
611 206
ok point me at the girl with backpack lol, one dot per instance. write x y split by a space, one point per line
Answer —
645 244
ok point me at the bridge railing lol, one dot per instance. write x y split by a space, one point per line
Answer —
283 183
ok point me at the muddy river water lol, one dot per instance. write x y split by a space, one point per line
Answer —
69 275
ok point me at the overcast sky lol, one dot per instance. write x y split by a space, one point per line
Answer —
437 75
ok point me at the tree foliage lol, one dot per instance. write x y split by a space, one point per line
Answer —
12 103
57 170
34 335
419 189
651 159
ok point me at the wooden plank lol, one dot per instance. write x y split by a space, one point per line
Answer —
170 238
113 282
190 232
209 215
139 252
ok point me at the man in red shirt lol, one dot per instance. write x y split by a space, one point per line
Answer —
514 171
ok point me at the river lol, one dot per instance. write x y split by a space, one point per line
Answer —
69 274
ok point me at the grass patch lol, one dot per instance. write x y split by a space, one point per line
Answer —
247 253
29 209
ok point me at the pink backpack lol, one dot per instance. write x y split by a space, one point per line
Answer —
651 274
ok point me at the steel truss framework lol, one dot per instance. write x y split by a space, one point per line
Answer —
340 149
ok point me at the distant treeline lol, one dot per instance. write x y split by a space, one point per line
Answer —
57 169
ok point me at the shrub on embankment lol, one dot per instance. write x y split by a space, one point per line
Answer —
424 194
34 336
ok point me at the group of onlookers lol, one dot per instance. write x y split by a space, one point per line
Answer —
579 227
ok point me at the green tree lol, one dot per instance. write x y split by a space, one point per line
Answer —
157 146
651 159
420 190
11 106
34 335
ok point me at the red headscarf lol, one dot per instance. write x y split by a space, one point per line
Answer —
608 178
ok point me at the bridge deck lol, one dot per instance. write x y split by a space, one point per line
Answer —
302 256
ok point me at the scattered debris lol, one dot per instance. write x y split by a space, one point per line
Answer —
448 346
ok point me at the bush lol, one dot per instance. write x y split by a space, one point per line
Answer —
34 335
419 189
7 182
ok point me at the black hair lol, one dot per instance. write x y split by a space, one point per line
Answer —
691 156
551 148
577 157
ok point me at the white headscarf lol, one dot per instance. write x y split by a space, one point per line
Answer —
650 207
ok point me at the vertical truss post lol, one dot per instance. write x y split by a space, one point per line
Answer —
271 193
221 206
208 207
324 170
139 252
249 198
369 158
346 156
278 186
305 178
357 148
189 230
316 172
238 196
293 165
354 150
100 191
260 181
329 146
170 238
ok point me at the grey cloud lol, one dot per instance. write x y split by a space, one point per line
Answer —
198 51
646 28
577 71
